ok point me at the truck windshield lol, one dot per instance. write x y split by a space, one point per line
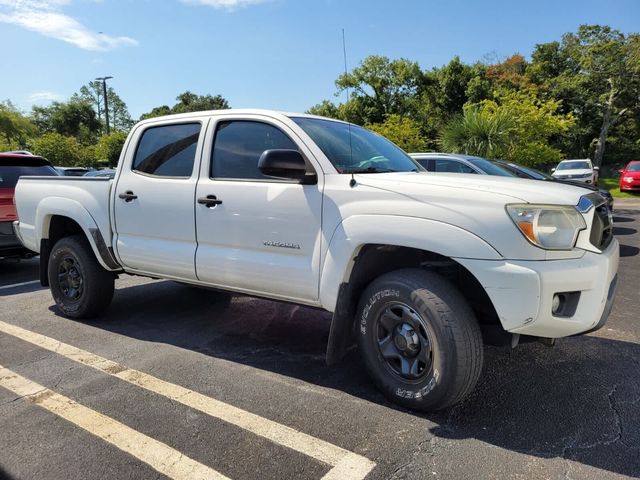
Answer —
353 149
573 166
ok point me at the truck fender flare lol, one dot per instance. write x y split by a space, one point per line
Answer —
355 232
72 209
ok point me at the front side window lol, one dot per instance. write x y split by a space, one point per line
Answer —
167 150
238 146
355 149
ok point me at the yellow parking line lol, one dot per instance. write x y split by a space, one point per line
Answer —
159 456
346 465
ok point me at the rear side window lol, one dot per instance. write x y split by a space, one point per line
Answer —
238 146
452 166
9 174
168 150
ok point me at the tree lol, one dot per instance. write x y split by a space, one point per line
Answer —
595 72
119 117
59 149
15 128
74 118
109 147
189 102
517 126
379 87
480 132
402 131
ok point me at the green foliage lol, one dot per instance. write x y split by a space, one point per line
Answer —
119 117
402 131
74 118
515 126
379 87
189 102
108 148
480 132
15 128
595 72
60 150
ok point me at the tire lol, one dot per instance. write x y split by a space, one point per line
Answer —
430 337
80 286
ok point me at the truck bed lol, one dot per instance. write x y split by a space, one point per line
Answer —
89 195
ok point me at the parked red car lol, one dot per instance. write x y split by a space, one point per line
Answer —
630 176
12 167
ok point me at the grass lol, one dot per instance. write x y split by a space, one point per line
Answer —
613 185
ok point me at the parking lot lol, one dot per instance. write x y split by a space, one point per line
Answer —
171 384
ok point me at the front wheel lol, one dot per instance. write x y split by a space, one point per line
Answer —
80 286
419 339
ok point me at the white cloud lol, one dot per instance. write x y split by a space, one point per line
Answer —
46 18
37 97
225 4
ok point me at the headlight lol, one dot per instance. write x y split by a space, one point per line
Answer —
628 179
552 227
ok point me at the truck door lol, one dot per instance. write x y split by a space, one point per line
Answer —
260 234
154 214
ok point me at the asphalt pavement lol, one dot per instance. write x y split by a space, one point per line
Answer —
171 383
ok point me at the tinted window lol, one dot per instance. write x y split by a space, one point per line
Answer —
9 174
351 148
452 166
238 146
489 167
167 151
426 163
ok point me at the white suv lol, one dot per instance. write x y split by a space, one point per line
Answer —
577 171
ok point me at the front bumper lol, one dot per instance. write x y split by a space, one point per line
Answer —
522 291
585 180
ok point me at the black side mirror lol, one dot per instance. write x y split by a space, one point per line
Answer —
286 164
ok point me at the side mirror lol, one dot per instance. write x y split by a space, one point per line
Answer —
597 169
553 169
286 164
621 171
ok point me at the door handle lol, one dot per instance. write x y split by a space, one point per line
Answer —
128 196
209 201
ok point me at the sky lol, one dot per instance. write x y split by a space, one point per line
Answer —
277 54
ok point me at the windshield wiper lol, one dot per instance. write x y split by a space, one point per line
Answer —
368 170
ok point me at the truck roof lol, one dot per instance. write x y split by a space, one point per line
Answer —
237 111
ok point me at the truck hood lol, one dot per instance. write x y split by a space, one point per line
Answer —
470 186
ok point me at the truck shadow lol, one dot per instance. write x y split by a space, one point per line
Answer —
578 401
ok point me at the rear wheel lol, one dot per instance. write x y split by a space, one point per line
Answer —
80 286
419 339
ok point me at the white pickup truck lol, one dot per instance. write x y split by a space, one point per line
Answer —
415 267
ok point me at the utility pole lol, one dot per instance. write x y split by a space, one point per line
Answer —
106 102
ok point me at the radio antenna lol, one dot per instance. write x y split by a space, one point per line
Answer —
352 182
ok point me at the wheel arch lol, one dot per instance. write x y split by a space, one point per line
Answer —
351 264
65 217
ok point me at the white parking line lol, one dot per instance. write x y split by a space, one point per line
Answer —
346 465
16 285
159 456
